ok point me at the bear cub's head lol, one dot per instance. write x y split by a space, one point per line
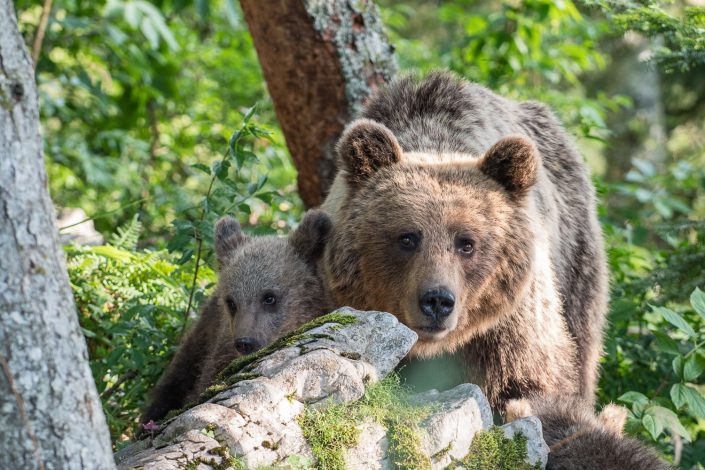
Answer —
268 286
443 242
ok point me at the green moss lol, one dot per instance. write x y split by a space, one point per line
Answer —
331 431
241 363
491 449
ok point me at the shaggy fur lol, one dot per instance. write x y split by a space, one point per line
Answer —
476 173
253 271
580 440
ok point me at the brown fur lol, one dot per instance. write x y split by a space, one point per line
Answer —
475 170
250 270
580 440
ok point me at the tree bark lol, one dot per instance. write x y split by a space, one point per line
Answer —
321 60
50 416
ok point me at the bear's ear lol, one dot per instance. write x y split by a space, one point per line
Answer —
309 238
613 418
512 162
228 237
365 147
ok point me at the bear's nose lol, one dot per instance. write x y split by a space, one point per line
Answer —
437 303
246 345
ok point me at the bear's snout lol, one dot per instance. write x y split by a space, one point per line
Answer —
437 304
246 345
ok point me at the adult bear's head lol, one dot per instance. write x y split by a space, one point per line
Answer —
444 244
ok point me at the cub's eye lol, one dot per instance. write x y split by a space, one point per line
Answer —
269 299
409 241
232 306
465 246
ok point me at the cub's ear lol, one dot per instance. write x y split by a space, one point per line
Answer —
365 147
513 162
228 237
613 417
517 409
309 238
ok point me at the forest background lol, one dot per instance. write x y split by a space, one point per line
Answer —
156 120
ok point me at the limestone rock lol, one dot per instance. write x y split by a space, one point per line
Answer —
256 419
536 448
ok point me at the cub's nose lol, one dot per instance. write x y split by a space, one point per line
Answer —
437 304
246 345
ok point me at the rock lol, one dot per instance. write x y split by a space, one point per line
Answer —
461 412
83 233
536 447
371 452
254 420
445 435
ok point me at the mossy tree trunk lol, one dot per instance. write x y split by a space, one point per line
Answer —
50 415
321 60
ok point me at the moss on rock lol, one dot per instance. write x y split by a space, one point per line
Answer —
491 449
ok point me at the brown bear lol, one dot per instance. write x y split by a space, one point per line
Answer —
472 219
580 440
267 287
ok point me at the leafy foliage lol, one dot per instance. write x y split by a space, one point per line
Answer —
130 307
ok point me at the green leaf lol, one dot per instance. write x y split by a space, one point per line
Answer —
694 400
669 420
112 253
200 166
220 168
88 333
697 300
694 366
665 343
674 319
250 113
654 426
686 395
234 140
678 366
633 397
678 395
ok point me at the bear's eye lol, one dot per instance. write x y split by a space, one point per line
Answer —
409 241
269 299
232 306
465 246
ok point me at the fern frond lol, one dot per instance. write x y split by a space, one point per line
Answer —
127 236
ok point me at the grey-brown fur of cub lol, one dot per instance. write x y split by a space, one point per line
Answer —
267 287
472 218
579 439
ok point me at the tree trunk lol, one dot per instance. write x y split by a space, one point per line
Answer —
321 60
50 415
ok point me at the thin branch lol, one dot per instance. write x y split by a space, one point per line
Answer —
199 248
41 30
20 406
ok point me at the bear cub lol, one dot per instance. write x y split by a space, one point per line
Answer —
267 287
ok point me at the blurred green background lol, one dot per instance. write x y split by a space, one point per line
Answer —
139 100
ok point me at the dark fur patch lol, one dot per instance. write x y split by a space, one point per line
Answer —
513 163
228 236
309 238
365 147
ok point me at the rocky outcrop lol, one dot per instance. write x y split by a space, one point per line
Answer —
250 418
